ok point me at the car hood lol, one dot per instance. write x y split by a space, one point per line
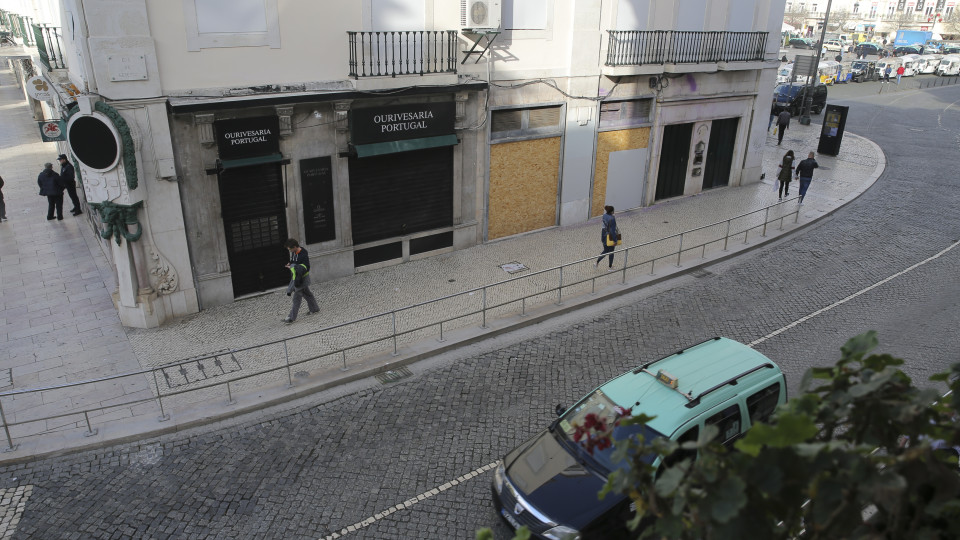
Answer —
555 483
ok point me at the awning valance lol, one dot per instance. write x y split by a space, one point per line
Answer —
392 147
244 162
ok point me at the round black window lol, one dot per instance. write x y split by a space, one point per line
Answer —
93 143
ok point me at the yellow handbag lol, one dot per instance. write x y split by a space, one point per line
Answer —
612 242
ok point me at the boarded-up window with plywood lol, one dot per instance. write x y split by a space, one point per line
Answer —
524 184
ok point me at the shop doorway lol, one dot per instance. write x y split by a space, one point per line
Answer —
255 224
723 138
397 195
674 156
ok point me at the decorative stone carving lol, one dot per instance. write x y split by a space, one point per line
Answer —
163 277
461 111
204 123
341 108
286 125
128 147
116 218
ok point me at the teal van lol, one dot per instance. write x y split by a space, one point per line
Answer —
550 483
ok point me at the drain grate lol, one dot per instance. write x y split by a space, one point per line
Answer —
394 375
701 273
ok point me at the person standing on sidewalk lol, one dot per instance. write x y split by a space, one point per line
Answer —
299 266
785 174
900 71
51 187
783 122
609 230
3 205
805 174
886 74
69 178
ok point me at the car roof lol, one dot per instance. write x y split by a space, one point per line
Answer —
700 372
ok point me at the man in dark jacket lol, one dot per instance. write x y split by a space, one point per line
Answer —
68 176
299 287
51 187
805 174
783 122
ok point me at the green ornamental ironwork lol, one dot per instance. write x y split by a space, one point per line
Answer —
128 149
117 218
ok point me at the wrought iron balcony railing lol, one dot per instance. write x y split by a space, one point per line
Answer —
48 46
380 54
642 47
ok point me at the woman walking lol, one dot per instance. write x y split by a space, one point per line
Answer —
609 228
786 172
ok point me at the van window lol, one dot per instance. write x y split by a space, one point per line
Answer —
728 421
761 405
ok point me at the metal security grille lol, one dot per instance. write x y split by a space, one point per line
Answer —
255 225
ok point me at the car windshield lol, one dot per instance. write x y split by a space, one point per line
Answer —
860 65
785 90
606 410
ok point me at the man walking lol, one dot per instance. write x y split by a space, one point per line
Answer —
805 174
900 71
299 266
783 122
51 187
68 176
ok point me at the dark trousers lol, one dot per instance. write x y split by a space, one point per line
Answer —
72 192
780 129
784 188
607 249
55 201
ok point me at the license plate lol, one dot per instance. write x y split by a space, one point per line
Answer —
510 519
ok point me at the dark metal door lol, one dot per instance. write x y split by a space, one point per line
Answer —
723 136
255 223
674 155
399 194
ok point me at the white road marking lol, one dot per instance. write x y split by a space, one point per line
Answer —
476 472
411 502
852 296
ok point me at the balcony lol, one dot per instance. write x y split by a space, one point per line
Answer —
47 39
389 54
659 47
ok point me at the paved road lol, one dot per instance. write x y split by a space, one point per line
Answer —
308 472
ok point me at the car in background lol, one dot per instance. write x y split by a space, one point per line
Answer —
864 70
906 49
950 48
949 65
801 43
868 47
833 45
550 482
790 97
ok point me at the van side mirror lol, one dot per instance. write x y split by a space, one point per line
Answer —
560 409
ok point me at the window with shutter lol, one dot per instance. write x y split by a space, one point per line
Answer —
625 113
526 123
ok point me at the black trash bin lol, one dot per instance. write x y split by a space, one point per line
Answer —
834 120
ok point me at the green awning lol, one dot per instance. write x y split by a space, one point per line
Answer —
392 147
256 160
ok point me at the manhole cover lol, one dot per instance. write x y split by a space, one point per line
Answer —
394 375
513 267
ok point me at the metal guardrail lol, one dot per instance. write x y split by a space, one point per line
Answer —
499 298
380 54
642 47
47 40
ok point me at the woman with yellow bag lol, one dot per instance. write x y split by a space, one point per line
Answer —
610 236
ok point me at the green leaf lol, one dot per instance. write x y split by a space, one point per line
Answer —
484 534
726 498
858 346
668 481
523 533
790 429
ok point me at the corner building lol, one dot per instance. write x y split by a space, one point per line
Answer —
382 131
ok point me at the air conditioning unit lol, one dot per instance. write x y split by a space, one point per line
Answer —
480 13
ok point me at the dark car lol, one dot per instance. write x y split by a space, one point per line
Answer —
950 49
906 49
801 43
864 70
869 48
790 97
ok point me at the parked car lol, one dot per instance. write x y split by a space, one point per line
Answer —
829 71
833 45
894 63
801 43
910 62
928 63
949 65
950 48
906 49
550 482
791 96
864 70
869 48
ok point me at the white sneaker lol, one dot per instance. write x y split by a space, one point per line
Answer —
611 269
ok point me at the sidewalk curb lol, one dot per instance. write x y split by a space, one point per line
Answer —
416 352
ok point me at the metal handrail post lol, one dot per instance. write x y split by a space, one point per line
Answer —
746 234
441 332
560 289
680 251
393 315
766 217
286 357
230 400
344 353
626 261
6 429
484 310
163 416
727 236
90 431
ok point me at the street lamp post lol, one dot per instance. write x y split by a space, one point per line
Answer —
815 76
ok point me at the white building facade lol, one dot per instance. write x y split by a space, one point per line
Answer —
206 132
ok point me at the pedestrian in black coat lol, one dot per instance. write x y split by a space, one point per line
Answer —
51 187
68 175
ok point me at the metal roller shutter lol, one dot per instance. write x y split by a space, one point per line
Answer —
399 194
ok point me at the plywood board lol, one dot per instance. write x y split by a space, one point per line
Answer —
607 143
523 186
